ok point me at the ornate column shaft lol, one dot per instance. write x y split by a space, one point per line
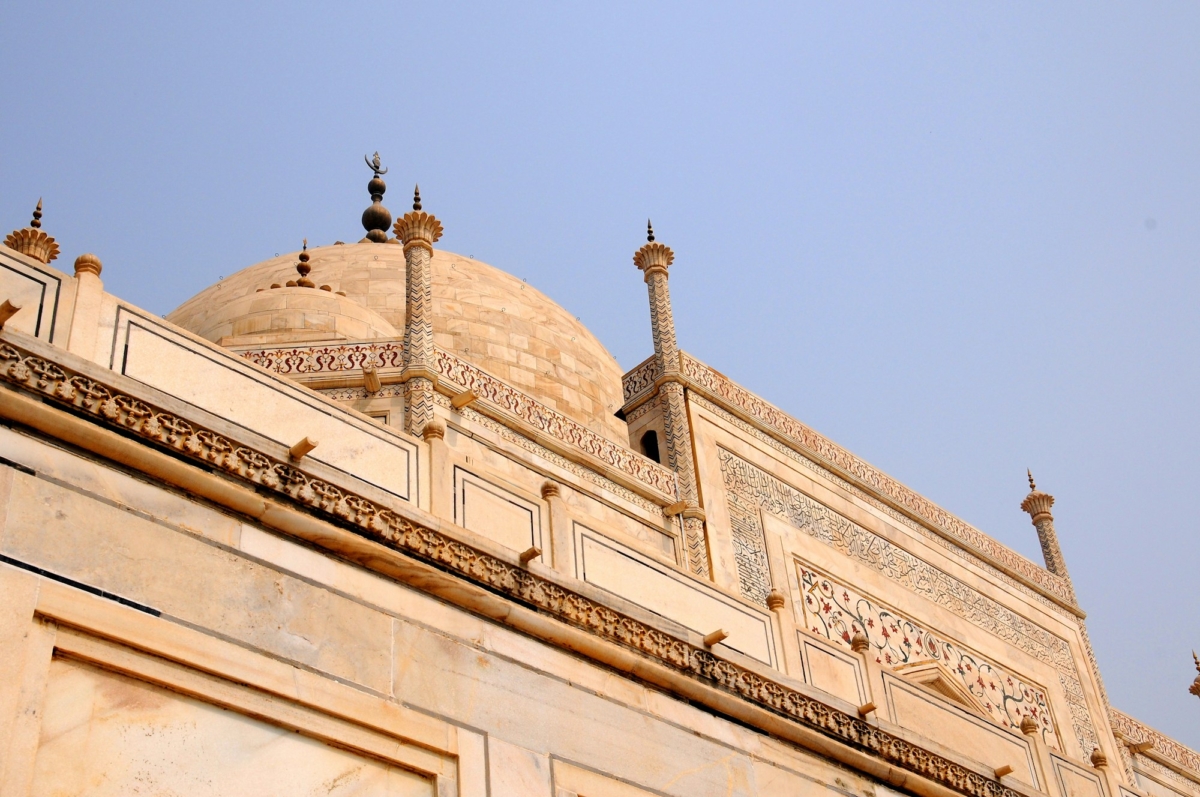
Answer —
418 231
653 259
1038 504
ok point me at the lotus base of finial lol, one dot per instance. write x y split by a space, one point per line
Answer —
33 243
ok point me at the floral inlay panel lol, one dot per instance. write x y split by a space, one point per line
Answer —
837 612
750 489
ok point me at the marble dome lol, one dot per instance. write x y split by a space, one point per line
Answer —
485 316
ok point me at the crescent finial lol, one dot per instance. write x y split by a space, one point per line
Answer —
374 164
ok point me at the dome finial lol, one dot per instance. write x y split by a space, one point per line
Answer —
37 216
649 231
373 162
1032 486
303 268
377 219
417 197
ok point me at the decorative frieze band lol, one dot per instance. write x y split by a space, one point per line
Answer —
354 356
640 380
552 423
1164 746
108 406
327 359
725 391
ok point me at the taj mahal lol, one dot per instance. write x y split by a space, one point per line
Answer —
374 518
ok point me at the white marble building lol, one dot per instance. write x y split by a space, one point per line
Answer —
378 519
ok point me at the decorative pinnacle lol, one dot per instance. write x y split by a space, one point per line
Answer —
1037 503
303 268
1195 687
653 257
32 241
374 164
418 227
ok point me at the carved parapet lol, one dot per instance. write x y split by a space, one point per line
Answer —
418 228
653 257
34 243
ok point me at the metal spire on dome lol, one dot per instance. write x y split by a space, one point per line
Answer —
303 268
649 232
417 197
1032 486
37 216
377 219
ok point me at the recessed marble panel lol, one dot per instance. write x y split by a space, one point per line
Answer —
496 513
231 389
107 734
638 579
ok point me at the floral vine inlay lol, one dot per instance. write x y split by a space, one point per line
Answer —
837 612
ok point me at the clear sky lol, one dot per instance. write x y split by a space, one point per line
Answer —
959 239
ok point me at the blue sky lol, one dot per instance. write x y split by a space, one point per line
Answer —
959 239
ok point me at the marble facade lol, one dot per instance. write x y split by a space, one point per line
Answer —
524 594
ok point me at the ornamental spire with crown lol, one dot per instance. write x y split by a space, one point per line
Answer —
32 241
1038 504
653 259
418 231
376 219
653 256
418 228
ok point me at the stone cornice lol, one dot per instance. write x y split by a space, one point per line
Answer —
725 393
94 402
